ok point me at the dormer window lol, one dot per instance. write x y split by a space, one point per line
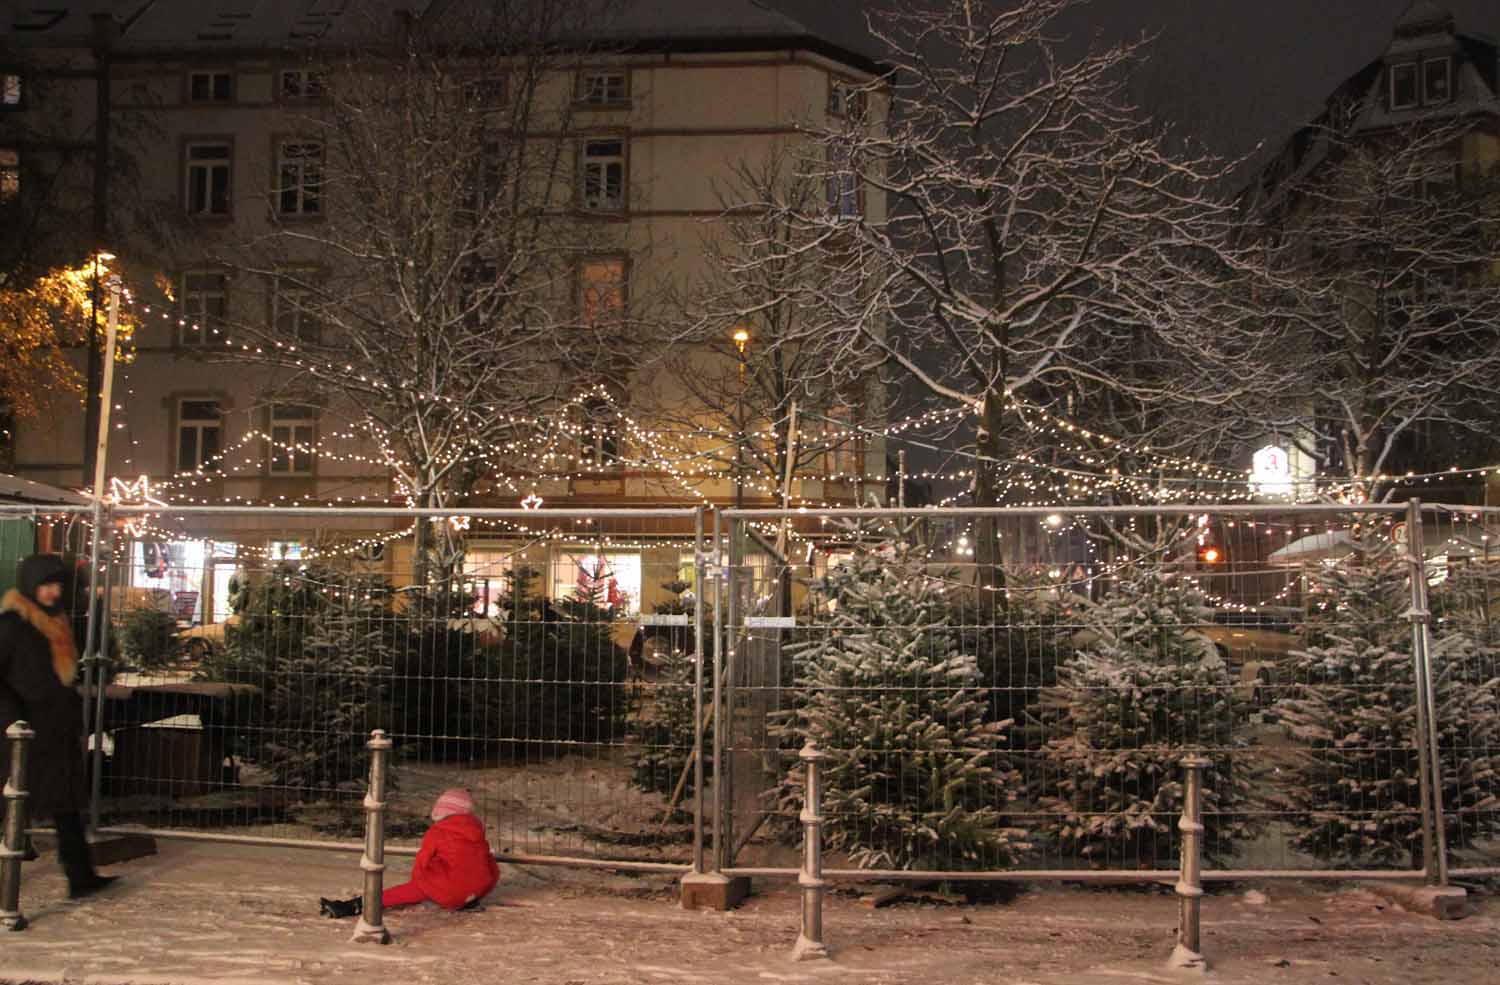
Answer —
1437 81
1425 83
1404 86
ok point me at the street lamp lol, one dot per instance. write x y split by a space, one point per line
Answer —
741 339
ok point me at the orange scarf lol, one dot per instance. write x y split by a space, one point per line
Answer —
56 629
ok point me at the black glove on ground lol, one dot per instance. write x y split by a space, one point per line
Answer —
339 908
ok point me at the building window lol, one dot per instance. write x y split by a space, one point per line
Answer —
10 90
293 433
613 581
292 313
486 578
603 87
1437 81
200 429
843 184
487 91
299 186
599 444
202 306
301 85
10 174
210 87
604 175
208 168
1404 91
601 291
845 100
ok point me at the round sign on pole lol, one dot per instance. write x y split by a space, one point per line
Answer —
1398 534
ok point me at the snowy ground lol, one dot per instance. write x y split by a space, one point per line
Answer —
229 914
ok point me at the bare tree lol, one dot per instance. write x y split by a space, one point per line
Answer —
1380 251
429 242
755 341
1058 251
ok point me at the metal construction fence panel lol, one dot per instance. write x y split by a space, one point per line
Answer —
997 692
1014 689
523 655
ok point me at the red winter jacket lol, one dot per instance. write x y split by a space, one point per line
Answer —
454 864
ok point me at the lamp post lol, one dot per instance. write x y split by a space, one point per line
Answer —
741 339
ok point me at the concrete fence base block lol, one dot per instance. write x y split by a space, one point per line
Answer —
1183 959
807 950
1439 902
713 891
366 934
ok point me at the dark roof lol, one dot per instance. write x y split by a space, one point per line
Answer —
233 26
1358 104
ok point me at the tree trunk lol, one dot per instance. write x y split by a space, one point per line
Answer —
989 576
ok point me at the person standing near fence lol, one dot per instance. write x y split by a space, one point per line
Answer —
38 661
454 867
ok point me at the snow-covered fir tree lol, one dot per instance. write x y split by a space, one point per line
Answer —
917 778
1355 791
334 686
1143 690
662 731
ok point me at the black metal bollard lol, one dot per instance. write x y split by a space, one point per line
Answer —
371 926
1189 950
810 941
13 850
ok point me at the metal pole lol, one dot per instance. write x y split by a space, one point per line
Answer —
810 940
1434 831
13 850
92 685
1189 950
101 659
724 721
901 479
92 677
371 926
718 656
700 559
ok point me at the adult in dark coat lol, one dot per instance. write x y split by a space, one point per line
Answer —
38 660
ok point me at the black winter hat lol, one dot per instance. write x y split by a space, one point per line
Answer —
37 570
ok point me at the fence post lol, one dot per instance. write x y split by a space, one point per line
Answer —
13 850
371 926
1189 950
810 940
1430 770
700 559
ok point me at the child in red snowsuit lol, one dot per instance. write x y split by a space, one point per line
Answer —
454 867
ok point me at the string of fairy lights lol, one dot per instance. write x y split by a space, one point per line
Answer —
555 449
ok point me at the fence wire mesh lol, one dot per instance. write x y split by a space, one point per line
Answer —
997 690
1016 689
525 656
1463 569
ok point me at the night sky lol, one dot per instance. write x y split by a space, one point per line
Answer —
1234 71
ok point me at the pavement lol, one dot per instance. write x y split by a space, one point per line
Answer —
235 914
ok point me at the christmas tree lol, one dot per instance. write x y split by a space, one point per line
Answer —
1143 691
917 777
1355 791
319 645
662 732
335 689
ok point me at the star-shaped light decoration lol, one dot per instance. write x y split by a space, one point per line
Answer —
459 522
531 502
137 493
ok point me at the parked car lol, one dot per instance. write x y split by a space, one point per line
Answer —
200 642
